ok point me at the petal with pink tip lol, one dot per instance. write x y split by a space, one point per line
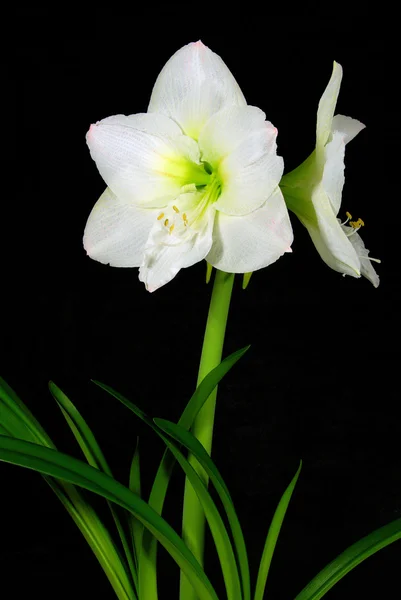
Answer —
193 85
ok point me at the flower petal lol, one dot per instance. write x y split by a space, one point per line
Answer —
325 111
249 175
241 146
367 269
226 129
344 130
333 171
193 85
116 232
347 126
144 159
254 241
166 252
329 238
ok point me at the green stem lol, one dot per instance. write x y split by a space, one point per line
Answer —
193 523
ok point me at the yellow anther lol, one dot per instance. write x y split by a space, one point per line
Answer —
185 218
348 214
160 216
177 210
357 224
171 228
166 222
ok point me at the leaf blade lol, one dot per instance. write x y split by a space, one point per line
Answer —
349 559
147 571
95 457
68 468
187 439
272 536
22 425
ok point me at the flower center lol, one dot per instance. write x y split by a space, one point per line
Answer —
188 213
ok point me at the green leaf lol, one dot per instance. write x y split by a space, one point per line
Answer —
67 468
19 422
20 417
136 526
195 447
272 536
147 570
95 458
349 559
217 527
96 536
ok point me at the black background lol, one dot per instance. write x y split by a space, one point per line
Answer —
320 381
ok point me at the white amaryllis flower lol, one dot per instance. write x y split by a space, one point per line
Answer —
195 177
313 190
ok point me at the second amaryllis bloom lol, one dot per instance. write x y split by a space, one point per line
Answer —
313 191
196 177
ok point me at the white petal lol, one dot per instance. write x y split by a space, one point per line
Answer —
344 130
329 238
333 172
116 232
325 111
254 241
249 175
143 158
241 146
166 253
347 126
192 86
367 269
225 131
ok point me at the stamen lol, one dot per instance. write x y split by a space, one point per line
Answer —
177 210
349 216
357 224
171 229
185 219
166 222
160 216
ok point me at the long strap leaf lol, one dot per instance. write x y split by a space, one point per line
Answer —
147 565
272 536
95 458
27 422
67 468
349 559
18 422
134 485
188 440
219 532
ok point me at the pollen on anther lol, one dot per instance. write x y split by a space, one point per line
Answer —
166 222
171 228
348 214
357 224
185 219
177 210
160 216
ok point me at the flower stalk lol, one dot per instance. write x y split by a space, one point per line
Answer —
193 523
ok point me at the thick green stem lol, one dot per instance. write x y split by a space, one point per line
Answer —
193 523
